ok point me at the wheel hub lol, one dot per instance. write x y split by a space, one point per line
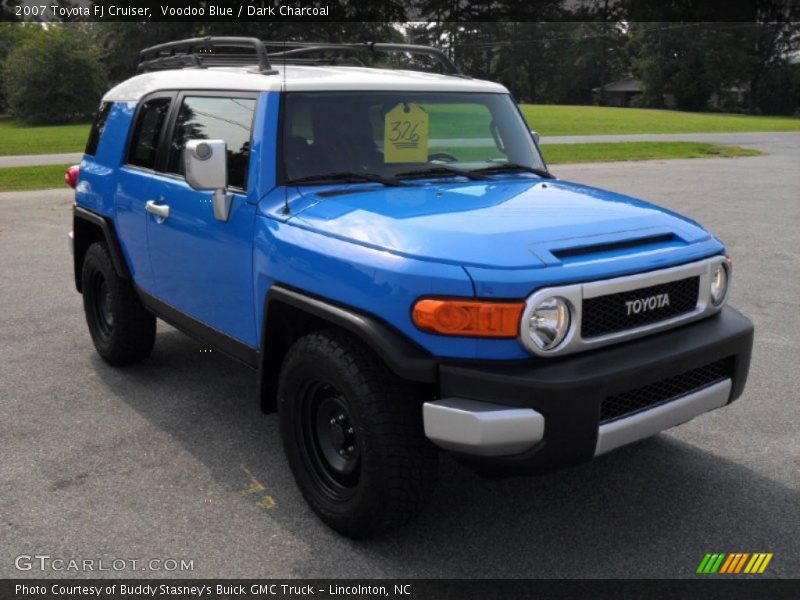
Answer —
335 437
108 314
342 435
102 305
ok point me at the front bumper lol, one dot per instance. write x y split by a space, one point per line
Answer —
544 414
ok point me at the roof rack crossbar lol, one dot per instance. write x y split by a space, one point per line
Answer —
197 53
299 48
153 58
171 62
319 62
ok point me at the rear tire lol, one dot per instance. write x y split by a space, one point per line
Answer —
122 330
353 436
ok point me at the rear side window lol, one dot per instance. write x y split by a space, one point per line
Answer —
98 127
146 132
215 118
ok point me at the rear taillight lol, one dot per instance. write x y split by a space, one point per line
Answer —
71 176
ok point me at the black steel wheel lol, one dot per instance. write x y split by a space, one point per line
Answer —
330 439
353 435
122 330
102 309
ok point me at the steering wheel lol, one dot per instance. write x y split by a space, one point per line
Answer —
442 156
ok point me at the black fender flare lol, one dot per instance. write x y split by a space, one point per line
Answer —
404 357
81 241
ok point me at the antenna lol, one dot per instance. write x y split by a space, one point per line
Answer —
286 209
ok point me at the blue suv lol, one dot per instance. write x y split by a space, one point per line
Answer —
388 252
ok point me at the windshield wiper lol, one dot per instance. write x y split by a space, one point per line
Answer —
443 170
512 167
348 175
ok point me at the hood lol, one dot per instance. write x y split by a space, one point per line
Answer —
521 223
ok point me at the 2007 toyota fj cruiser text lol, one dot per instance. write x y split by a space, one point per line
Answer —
387 249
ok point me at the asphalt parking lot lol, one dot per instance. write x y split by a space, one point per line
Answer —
172 458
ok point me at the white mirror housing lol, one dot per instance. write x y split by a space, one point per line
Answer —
206 167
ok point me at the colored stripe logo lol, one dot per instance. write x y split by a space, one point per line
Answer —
734 563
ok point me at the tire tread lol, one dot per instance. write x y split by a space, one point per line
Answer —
404 463
134 328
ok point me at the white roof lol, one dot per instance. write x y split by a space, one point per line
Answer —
295 79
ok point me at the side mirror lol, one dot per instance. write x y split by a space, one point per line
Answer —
535 137
206 166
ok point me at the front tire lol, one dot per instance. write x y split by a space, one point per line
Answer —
353 435
122 330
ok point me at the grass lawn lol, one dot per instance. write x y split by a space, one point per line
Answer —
611 151
598 120
52 176
32 178
468 121
463 121
616 151
52 139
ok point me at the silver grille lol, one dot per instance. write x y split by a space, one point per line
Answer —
580 294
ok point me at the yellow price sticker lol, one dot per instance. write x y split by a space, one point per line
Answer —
405 134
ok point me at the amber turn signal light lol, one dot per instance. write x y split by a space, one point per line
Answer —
469 318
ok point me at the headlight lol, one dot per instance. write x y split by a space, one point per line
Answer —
719 282
548 323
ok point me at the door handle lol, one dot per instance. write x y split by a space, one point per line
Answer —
160 210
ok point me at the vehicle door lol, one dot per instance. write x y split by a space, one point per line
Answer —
202 266
135 181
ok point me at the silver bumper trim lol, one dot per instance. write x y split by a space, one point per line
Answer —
481 428
650 422
71 237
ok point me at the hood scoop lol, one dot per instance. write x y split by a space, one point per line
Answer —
644 243
607 247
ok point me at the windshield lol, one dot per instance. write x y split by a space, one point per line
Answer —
402 135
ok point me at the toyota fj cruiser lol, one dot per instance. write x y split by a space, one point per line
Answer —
388 251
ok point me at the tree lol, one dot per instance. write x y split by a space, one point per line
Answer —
546 51
692 61
598 52
582 56
779 91
12 35
770 42
515 54
686 61
55 76
122 42
7 11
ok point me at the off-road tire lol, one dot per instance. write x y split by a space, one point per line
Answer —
395 464
122 330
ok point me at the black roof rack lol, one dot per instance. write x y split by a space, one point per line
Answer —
297 49
200 52
203 52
